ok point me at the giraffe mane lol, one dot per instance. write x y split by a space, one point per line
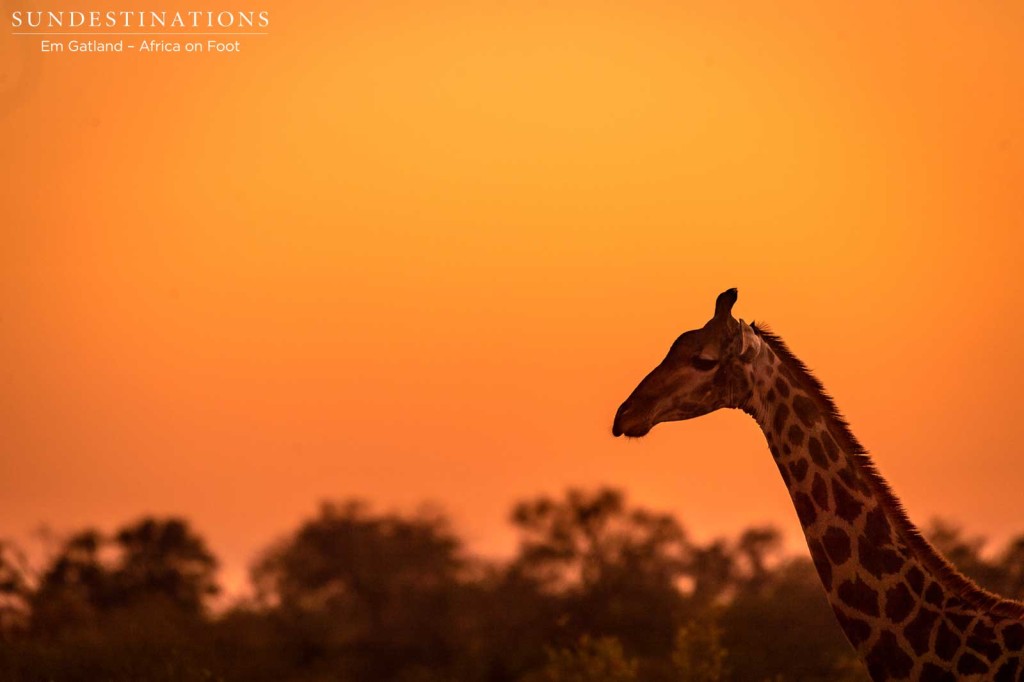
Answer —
941 569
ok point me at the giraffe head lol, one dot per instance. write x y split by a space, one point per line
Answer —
705 370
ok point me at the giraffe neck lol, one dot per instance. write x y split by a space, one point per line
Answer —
907 612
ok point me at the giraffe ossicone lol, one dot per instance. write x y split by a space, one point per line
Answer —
908 613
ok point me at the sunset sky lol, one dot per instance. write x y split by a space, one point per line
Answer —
421 251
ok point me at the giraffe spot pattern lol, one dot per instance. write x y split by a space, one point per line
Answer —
969 664
770 396
915 578
946 642
985 647
933 595
983 640
830 446
787 372
878 561
876 527
837 545
805 409
887 659
898 603
847 507
821 563
856 630
804 509
1013 636
782 387
961 621
785 474
817 453
858 595
781 415
919 630
799 469
984 631
933 673
1008 671
819 491
848 477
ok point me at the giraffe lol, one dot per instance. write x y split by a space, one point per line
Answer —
905 610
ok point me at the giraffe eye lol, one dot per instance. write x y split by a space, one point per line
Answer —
703 364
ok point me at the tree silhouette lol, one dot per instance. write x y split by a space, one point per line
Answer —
588 660
380 591
74 588
599 590
591 538
15 590
699 655
127 606
756 547
150 560
163 558
615 568
780 623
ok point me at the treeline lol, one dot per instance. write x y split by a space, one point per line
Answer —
599 591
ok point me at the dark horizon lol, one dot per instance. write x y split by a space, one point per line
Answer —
583 557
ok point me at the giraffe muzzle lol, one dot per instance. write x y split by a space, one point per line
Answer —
628 424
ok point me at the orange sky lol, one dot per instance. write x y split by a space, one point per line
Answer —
421 251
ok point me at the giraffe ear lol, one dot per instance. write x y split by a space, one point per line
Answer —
723 306
750 343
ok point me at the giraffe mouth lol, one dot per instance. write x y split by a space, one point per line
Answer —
630 432
627 424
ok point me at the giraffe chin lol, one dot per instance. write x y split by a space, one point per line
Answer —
631 430
640 428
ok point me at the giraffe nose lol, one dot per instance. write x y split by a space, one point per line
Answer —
626 422
623 410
